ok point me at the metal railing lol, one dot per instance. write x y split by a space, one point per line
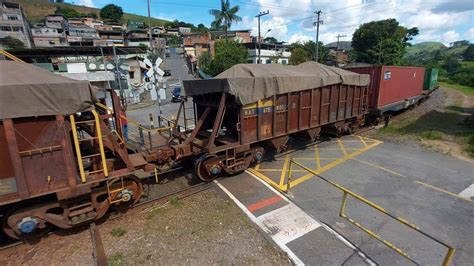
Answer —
140 134
342 213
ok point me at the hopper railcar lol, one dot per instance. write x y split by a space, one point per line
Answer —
64 161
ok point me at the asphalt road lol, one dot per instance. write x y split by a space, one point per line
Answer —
419 186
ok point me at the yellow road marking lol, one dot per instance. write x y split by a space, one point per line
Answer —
362 140
338 149
342 147
278 170
333 164
312 158
318 159
415 180
283 173
266 179
257 166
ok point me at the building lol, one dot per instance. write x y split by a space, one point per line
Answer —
109 35
242 36
48 37
193 38
136 34
81 35
58 22
92 22
184 30
269 53
338 52
172 31
13 23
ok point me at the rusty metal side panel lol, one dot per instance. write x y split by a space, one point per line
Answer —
44 171
265 113
249 123
325 104
281 109
305 109
349 101
316 107
334 103
7 172
293 111
341 111
356 101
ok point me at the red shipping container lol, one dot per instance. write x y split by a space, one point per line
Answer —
393 87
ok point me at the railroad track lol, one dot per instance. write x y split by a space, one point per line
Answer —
179 194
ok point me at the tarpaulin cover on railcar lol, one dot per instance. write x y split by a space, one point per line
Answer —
250 83
26 91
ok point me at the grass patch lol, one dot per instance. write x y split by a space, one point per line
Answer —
116 259
431 134
174 201
464 89
470 144
118 232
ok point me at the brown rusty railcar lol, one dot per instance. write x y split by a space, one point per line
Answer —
60 163
250 106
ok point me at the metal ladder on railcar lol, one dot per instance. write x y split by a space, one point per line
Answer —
77 140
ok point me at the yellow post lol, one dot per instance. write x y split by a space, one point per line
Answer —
101 143
78 148
343 205
449 256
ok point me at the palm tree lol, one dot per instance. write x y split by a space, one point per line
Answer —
225 16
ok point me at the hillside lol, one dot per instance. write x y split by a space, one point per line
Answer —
37 9
424 47
427 51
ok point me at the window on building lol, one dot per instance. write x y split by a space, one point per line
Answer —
284 62
6 28
250 61
12 17
52 42
268 61
17 28
132 74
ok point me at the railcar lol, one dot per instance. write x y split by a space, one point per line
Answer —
64 161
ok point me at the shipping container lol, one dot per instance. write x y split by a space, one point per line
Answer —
392 88
431 79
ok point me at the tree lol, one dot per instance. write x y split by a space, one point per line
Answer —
452 65
204 62
469 53
228 53
67 12
11 43
299 55
111 12
310 48
382 41
225 16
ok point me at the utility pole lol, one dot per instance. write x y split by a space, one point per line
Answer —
149 27
262 13
318 21
337 48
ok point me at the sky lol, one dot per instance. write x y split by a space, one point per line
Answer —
292 20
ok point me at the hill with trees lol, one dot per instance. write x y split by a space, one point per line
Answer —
36 10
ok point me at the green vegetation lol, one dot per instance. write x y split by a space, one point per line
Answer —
174 201
382 42
224 17
309 49
431 134
448 60
12 43
299 55
228 53
118 232
36 10
464 89
116 259
112 13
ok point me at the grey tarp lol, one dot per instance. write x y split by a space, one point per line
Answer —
26 90
250 83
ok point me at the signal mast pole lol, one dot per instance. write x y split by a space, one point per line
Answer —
318 13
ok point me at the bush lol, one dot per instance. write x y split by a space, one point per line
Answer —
228 54
111 12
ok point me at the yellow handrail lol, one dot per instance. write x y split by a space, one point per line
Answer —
10 56
75 138
101 143
449 254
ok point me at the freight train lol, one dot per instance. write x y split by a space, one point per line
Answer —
64 160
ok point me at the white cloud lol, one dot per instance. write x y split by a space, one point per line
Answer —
88 3
299 37
450 36
469 35
275 24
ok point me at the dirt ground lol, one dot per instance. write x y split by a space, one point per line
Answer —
444 123
205 228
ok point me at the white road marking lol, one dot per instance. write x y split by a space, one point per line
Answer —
329 229
262 226
288 223
468 192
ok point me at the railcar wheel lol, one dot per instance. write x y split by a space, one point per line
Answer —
27 227
202 171
127 197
